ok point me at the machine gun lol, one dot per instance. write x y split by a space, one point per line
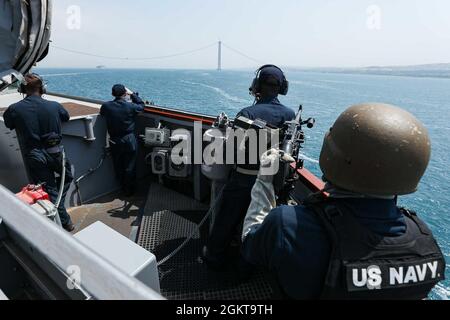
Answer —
293 139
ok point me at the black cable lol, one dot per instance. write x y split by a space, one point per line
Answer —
88 173
188 239
61 187
133 59
157 57
63 179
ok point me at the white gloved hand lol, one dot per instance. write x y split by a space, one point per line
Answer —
263 193
270 164
129 92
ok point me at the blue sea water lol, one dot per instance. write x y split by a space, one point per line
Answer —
324 96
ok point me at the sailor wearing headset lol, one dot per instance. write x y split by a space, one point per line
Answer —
38 125
269 82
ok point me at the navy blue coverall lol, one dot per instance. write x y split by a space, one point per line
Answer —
120 118
34 118
292 244
236 195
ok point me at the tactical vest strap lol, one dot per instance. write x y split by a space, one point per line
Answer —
413 216
333 272
346 229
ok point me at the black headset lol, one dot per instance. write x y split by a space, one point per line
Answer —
256 84
23 85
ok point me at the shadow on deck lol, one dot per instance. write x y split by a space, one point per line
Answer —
120 214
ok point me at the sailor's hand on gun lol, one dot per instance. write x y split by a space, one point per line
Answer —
263 192
270 164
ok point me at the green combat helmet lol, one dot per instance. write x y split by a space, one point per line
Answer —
376 149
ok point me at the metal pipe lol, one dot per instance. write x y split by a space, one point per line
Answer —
63 179
190 237
89 128
98 276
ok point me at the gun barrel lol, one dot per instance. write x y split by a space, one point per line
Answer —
310 123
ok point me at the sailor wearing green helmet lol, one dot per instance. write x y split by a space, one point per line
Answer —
351 241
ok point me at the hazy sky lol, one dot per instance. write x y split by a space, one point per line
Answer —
307 33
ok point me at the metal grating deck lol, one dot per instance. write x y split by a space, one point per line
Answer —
186 277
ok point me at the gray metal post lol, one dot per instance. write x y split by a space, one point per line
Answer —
219 64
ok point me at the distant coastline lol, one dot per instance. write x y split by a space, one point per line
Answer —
440 71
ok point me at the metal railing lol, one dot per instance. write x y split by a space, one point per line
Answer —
97 276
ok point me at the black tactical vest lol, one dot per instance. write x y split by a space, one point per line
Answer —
365 265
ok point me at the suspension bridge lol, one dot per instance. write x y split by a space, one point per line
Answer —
220 46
